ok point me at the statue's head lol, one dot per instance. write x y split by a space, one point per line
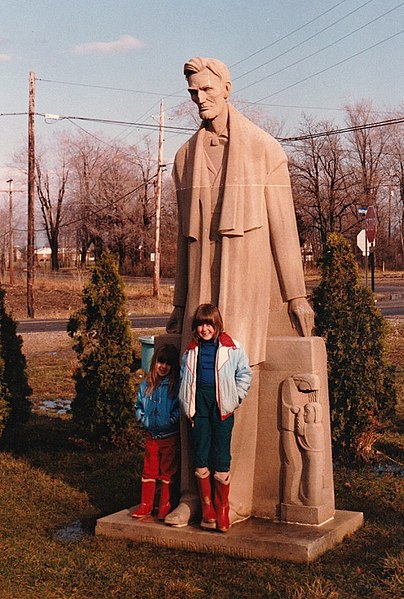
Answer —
313 412
209 85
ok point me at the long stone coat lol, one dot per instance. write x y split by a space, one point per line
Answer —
257 229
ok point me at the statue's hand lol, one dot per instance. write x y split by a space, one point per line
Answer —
174 323
301 315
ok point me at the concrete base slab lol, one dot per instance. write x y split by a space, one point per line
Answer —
251 539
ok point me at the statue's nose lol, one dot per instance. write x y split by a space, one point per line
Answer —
201 95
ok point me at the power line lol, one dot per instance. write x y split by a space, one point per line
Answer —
285 140
151 126
286 36
108 87
319 50
13 113
385 123
330 67
304 41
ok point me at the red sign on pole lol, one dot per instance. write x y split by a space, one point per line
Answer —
370 224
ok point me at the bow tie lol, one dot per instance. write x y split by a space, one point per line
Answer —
215 139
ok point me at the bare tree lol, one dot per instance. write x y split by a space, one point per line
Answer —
321 182
368 149
112 201
395 185
51 208
169 224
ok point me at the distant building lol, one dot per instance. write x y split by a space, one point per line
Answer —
68 257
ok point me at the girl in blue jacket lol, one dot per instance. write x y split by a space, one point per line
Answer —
215 378
157 410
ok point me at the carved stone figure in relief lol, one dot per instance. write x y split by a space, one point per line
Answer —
302 435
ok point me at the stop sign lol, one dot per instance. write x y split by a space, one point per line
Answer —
370 223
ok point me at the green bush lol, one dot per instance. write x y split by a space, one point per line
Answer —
361 382
103 342
13 376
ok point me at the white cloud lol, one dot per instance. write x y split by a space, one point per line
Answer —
123 44
5 57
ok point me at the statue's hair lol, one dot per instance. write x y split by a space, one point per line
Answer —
198 64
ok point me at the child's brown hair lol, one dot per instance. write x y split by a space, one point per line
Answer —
207 314
167 354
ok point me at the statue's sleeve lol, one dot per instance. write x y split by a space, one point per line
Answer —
181 270
282 227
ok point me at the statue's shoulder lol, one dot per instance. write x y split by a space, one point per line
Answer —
186 149
254 135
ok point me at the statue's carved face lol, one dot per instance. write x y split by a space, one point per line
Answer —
309 413
209 93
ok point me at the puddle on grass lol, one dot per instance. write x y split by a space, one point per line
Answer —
72 532
395 469
56 406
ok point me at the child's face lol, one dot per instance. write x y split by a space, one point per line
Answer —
163 368
205 331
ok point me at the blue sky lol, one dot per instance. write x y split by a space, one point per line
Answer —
141 45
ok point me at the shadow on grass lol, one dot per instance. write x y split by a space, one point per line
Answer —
109 476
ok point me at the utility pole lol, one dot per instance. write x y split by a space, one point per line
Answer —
11 232
31 198
160 165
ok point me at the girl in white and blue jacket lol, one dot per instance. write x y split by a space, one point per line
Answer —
158 411
215 378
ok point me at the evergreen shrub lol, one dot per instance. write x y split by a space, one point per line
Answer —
103 405
4 400
15 407
361 381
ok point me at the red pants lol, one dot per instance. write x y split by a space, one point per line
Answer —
161 458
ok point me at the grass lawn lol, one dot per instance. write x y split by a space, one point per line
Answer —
51 480
53 487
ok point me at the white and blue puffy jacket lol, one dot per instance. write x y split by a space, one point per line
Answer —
157 412
232 376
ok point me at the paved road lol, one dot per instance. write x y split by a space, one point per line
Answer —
388 309
59 325
389 293
389 296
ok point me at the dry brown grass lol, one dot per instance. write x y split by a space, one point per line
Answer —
51 362
56 296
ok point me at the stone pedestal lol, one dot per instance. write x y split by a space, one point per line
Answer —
253 539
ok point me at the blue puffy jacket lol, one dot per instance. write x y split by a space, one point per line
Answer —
158 413
232 376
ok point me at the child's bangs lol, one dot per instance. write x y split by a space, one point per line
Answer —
163 356
202 321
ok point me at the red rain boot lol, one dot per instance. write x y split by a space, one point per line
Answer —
205 494
146 506
222 488
164 503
